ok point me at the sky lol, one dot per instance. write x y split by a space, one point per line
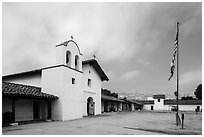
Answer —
133 42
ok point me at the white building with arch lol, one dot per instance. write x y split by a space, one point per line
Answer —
73 86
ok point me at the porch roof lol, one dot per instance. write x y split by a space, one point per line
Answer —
25 91
134 102
103 97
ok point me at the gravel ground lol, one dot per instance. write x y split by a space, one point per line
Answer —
116 123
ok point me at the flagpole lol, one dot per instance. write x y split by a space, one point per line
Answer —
177 74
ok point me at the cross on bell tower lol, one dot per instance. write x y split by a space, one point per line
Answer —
94 57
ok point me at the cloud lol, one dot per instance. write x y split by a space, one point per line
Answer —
115 32
191 77
129 75
111 75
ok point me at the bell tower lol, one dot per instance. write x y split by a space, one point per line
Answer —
68 54
65 80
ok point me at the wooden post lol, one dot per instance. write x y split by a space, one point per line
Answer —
182 117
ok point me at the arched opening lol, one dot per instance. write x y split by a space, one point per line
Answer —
90 106
68 58
77 62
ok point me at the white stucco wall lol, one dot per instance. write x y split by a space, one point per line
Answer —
52 83
158 105
147 106
72 98
94 90
188 107
31 79
168 107
58 81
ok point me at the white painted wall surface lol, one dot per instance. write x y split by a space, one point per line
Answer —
94 90
72 94
147 106
188 107
31 79
158 105
168 107
58 81
52 83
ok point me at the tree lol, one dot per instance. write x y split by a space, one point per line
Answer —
176 93
198 92
187 98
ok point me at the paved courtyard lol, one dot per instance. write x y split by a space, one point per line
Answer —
117 123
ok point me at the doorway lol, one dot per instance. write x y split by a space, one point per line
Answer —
90 106
49 110
198 108
152 107
105 106
36 110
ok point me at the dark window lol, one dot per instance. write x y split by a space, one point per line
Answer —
89 82
68 58
158 100
73 80
36 110
89 71
49 110
75 61
152 107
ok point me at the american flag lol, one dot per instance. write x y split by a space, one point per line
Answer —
174 56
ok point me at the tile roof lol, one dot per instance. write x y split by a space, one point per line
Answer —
104 97
159 96
183 102
97 67
19 90
146 102
135 102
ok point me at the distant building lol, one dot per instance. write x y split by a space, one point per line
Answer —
150 98
159 103
111 103
68 90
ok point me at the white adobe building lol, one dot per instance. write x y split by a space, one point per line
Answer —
68 90
159 103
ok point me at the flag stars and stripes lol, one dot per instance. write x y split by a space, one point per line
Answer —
174 57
